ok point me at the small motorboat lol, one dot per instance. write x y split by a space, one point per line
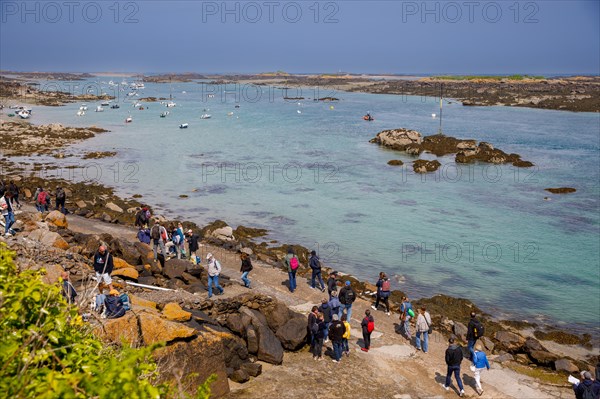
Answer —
205 116
230 114
368 118
171 104
129 119
83 107
24 114
164 114
237 106
115 106
99 108
141 108
80 113
105 103
136 105
183 126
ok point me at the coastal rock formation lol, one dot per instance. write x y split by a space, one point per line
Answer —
561 190
395 162
423 166
57 219
397 139
128 273
172 311
467 151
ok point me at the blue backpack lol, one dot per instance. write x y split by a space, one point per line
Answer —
124 298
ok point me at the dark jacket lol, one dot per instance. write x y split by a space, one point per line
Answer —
321 327
471 336
343 295
586 385
337 330
246 265
326 310
193 241
114 307
313 326
13 189
331 285
454 355
100 260
315 263
140 218
365 322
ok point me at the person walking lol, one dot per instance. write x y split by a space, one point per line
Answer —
347 297
103 266
346 337
246 268
480 363
454 357
315 265
36 196
159 237
312 327
383 292
61 198
368 325
327 316
14 190
292 264
336 334
193 245
423 327
214 269
475 331
406 314
7 210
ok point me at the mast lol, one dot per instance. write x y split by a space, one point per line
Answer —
441 102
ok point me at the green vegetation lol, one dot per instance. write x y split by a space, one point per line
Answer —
482 77
46 351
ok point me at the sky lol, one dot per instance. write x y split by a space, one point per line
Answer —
401 37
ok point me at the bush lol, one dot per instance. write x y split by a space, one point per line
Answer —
46 351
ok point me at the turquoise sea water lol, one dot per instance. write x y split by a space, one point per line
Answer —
483 232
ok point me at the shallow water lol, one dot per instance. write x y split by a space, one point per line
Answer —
483 232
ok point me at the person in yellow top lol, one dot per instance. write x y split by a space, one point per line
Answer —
346 336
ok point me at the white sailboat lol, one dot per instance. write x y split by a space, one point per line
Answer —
205 116
80 113
99 108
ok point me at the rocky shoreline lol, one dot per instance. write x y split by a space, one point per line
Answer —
45 242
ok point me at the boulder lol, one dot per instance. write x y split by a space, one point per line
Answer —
136 300
172 311
148 280
127 251
424 166
253 369
202 317
277 316
175 267
49 238
566 365
196 360
52 275
81 204
489 345
114 207
128 273
397 139
223 233
509 341
118 330
532 344
460 330
292 334
504 357
239 376
58 219
27 193
235 324
543 358
194 269
120 263
251 340
154 329
395 162
145 252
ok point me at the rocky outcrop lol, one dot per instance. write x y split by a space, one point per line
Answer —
424 166
57 219
292 334
561 190
509 341
172 311
398 139
128 273
395 162
154 329
49 238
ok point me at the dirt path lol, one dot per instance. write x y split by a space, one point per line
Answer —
391 369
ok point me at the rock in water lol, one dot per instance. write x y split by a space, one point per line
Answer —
424 166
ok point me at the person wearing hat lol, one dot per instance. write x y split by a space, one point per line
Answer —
315 265
480 362
214 269
454 357
586 388
336 335
347 297
114 306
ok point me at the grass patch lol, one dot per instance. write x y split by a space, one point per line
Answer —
545 376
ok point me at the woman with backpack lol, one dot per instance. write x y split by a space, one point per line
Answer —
383 292
292 264
368 325
245 269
